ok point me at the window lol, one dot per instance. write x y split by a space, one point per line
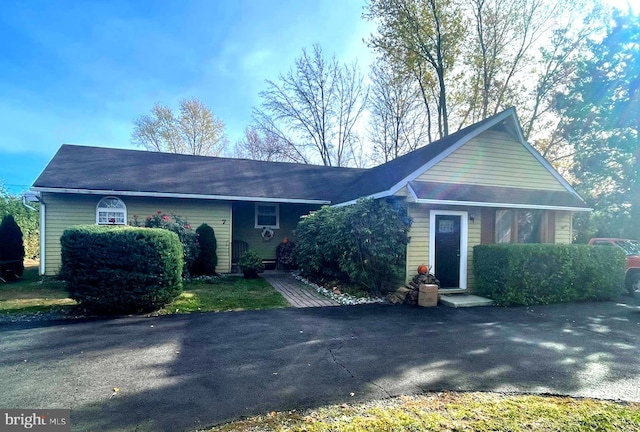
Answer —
267 215
111 211
521 226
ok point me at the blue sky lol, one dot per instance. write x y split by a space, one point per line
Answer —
79 72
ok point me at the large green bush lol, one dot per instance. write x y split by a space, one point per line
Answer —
207 260
11 248
121 269
519 274
364 243
181 227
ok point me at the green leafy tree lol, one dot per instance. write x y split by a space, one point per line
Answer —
207 259
11 248
424 36
28 220
601 113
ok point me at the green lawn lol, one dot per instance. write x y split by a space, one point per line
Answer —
450 411
227 293
32 295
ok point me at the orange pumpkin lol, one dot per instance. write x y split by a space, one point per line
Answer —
423 269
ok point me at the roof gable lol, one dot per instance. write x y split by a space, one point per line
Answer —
81 169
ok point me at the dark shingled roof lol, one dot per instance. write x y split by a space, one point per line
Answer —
141 172
94 168
497 195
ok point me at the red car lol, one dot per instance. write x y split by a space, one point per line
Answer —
632 269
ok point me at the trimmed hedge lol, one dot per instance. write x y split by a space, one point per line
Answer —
528 274
121 269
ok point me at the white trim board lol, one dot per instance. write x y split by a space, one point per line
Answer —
178 195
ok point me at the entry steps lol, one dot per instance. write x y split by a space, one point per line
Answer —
464 300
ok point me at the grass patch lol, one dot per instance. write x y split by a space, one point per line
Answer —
33 294
454 412
225 294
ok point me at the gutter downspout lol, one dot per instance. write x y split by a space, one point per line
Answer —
42 226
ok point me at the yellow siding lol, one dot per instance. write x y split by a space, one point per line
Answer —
418 247
65 210
493 159
403 192
564 229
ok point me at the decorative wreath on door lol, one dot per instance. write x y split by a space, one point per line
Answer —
267 234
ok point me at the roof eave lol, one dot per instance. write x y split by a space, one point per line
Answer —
501 205
179 195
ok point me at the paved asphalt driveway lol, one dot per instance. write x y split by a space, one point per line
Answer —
186 372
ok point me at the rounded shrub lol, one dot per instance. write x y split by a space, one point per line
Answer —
121 269
11 248
181 227
251 264
207 259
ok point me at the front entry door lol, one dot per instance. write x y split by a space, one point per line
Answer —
449 248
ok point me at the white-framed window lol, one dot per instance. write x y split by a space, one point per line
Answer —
111 211
267 215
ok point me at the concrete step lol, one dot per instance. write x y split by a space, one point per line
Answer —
464 300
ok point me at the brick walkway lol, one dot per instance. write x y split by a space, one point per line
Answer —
297 293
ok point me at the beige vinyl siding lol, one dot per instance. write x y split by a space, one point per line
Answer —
493 159
564 228
402 192
418 247
244 226
65 210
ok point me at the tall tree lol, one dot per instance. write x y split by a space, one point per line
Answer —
195 130
263 145
498 48
425 37
397 121
314 109
601 118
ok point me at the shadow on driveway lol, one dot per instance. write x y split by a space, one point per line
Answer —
185 372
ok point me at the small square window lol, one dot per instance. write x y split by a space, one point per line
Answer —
267 215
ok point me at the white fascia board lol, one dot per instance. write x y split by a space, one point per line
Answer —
413 193
501 205
382 194
178 195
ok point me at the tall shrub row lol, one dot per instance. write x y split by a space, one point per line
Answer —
519 274
121 269
364 243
